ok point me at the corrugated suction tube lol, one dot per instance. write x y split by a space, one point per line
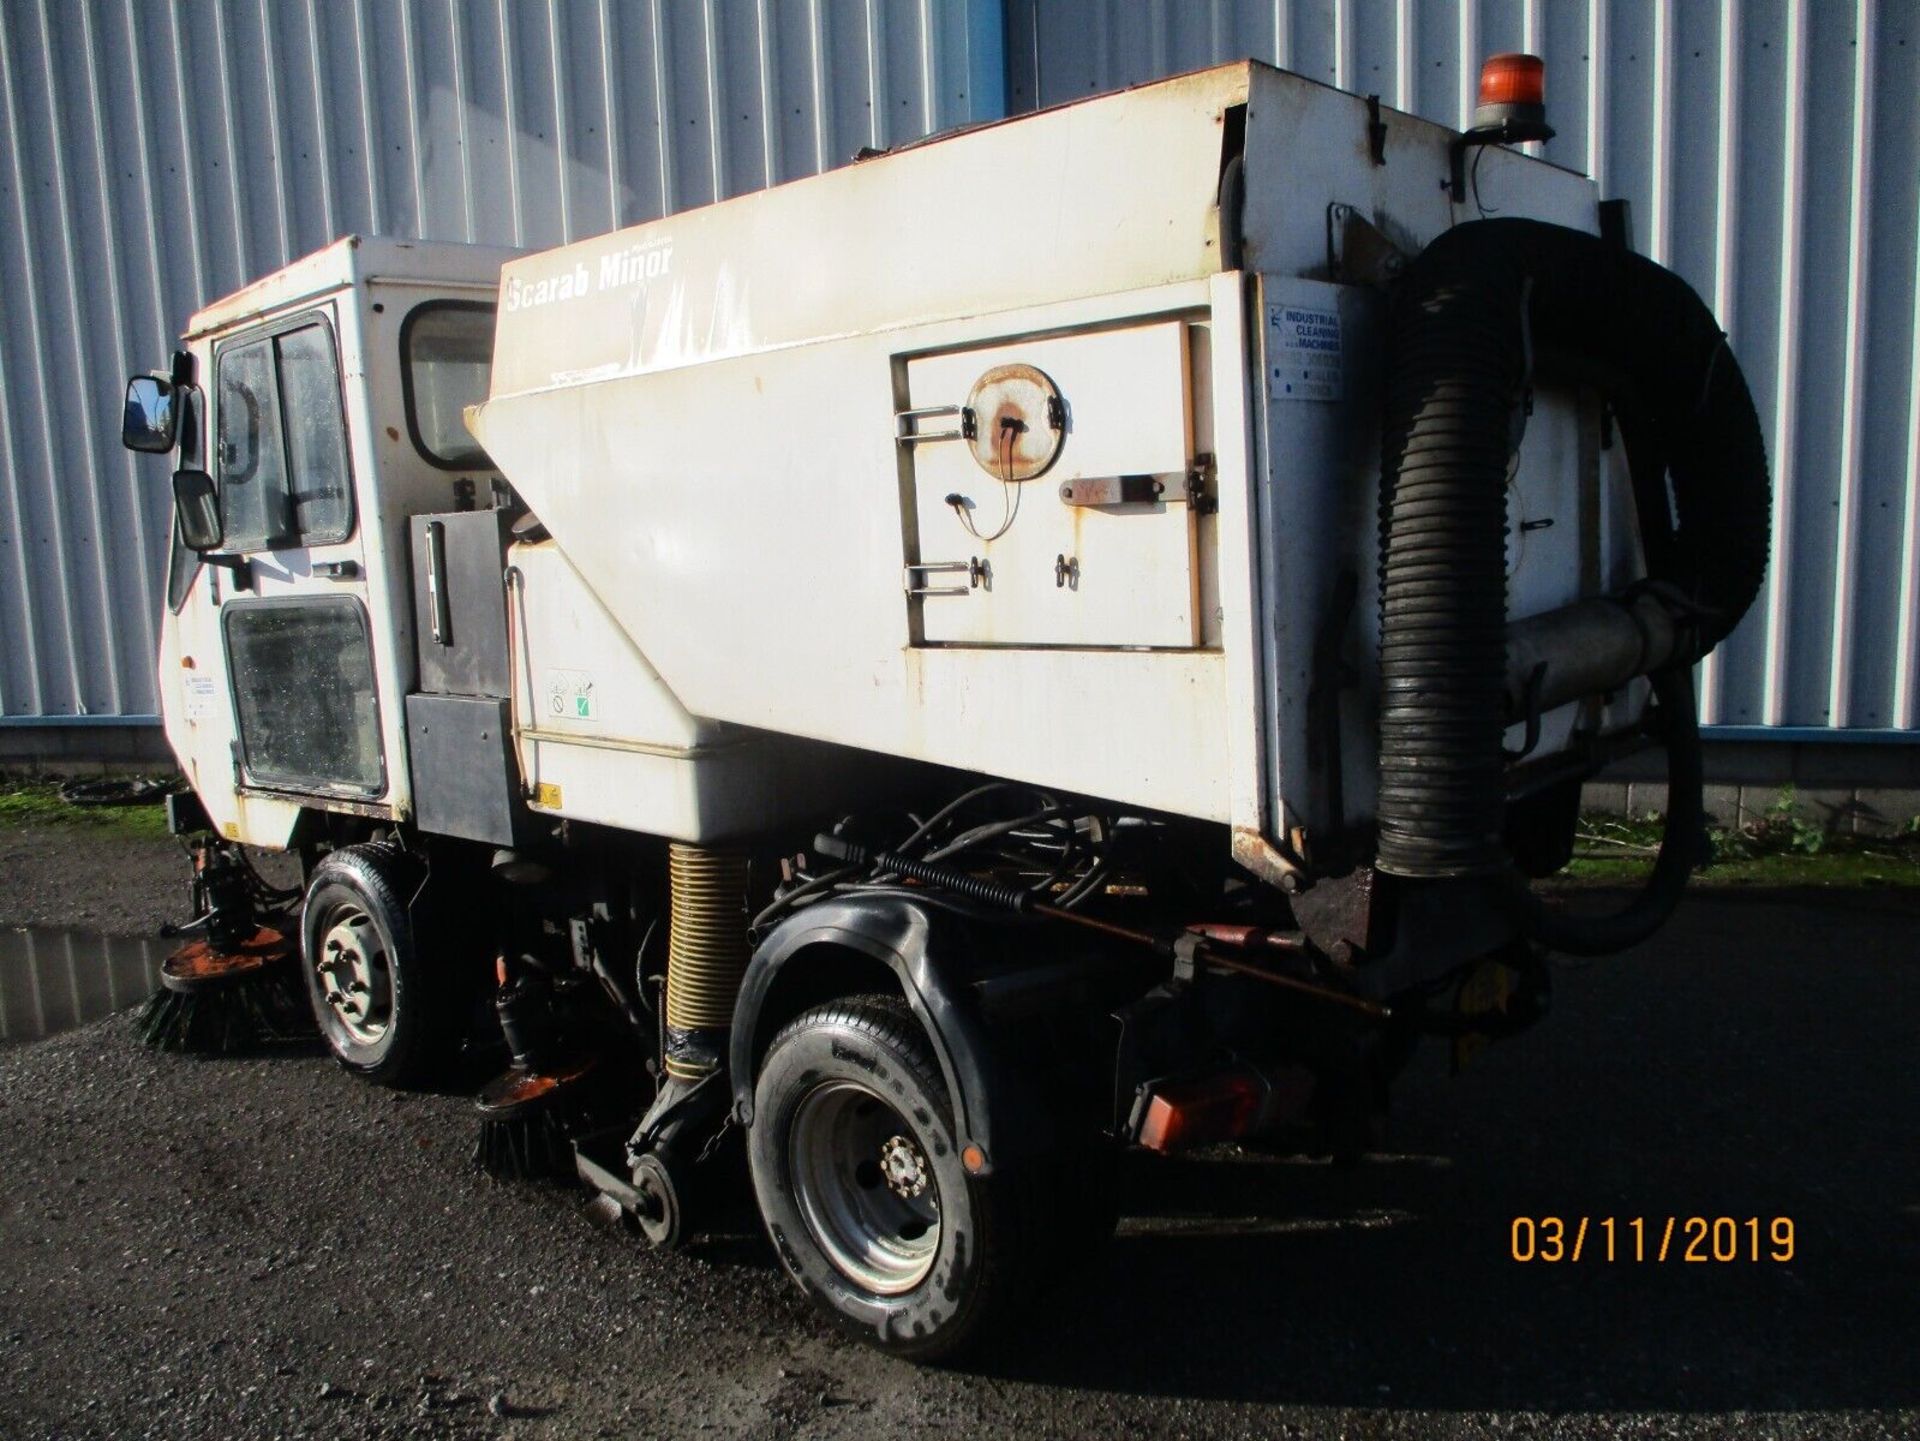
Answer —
1471 316
707 954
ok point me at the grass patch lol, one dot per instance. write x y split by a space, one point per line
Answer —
1780 847
36 805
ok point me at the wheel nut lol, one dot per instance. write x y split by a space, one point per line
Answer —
904 1167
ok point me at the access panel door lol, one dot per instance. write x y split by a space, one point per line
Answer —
1051 494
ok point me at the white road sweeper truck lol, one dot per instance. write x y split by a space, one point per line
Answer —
1074 635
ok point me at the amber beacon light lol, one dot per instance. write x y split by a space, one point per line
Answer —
1513 94
1512 109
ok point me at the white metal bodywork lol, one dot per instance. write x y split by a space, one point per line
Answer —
762 566
705 413
762 579
602 738
365 288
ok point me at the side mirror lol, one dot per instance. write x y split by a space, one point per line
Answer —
196 510
148 421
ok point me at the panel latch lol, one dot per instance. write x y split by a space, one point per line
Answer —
977 571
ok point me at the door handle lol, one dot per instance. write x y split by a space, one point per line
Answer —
337 569
437 616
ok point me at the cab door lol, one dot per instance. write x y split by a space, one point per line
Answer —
293 626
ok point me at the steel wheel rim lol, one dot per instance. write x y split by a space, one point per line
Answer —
865 1187
356 977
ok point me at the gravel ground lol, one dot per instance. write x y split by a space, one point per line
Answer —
266 1247
72 876
103 880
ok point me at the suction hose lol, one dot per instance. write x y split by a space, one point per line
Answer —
707 954
1475 314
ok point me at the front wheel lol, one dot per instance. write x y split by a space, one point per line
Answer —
858 1176
387 1012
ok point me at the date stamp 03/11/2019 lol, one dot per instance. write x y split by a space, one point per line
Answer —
1697 1240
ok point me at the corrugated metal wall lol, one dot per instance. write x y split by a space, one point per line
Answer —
1771 151
159 154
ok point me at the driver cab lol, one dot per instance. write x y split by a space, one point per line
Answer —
311 415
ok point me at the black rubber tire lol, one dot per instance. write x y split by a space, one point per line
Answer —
991 1228
427 1002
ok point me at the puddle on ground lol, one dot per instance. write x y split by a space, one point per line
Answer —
53 980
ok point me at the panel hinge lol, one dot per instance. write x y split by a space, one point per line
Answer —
1202 497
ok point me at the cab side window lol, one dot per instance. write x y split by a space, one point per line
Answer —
446 364
282 460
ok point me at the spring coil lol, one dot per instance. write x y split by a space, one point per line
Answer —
707 949
974 888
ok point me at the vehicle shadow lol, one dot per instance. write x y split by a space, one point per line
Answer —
1753 1062
1393 1286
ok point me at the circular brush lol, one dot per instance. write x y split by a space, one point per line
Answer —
528 1119
222 999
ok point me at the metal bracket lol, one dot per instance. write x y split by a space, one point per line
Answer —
1507 132
1531 737
1616 223
975 570
1376 132
1186 957
1258 854
1358 252
1200 496
1111 490
906 424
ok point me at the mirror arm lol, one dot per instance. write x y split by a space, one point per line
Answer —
237 564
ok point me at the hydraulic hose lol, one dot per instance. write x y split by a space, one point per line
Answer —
1472 315
1581 935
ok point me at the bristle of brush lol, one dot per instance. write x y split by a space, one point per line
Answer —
260 1010
526 1148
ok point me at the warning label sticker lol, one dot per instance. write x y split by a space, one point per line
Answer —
570 695
1304 360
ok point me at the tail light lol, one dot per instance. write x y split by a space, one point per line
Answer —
1173 1115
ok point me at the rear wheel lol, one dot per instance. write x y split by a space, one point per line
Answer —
858 1175
385 1010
